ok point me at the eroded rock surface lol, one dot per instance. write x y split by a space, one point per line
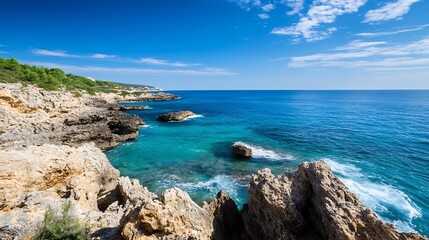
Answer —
175 116
36 178
311 203
33 116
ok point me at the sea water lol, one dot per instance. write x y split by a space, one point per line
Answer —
377 142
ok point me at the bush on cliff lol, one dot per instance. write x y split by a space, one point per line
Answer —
63 226
11 71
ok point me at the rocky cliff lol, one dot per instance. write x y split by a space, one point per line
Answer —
33 116
311 203
46 161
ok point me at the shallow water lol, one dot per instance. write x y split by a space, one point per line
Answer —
377 142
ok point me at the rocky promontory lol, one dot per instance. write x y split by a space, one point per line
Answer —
311 203
50 155
33 116
175 116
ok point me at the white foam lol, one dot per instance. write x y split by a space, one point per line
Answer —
260 152
190 117
148 107
214 184
147 126
377 196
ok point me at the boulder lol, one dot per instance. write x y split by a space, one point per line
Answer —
311 203
241 150
175 116
173 216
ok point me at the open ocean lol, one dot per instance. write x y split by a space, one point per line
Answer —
377 142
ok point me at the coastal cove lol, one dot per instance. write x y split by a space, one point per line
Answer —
377 142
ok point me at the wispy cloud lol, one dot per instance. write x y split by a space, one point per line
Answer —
380 34
136 71
263 16
65 54
267 7
264 7
359 44
154 61
393 10
296 5
361 54
321 12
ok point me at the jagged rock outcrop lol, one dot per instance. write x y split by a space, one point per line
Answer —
311 203
36 178
241 150
175 116
33 116
227 221
175 216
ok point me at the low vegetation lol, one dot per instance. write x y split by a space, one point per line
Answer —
62 227
11 71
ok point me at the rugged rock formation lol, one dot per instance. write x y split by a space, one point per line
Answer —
126 108
137 97
312 203
175 216
175 116
36 178
241 150
33 116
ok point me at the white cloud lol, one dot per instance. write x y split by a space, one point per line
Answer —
263 16
57 53
361 54
393 10
154 61
102 56
379 34
61 53
358 44
136 71
296 5
267 7
320 12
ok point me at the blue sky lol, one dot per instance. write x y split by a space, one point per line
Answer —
226 44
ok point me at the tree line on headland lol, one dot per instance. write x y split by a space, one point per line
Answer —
11 71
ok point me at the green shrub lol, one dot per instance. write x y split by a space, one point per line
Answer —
62 227
11 71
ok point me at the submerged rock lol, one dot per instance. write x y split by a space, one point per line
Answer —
175 116
311 203
241 150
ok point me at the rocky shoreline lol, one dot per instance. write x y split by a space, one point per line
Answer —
50 148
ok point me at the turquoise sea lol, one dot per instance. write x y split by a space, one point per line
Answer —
377 142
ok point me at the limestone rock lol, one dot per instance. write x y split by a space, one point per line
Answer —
312 203
241 150
175 116
173 216
126 108
33 116
37 178
227 222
